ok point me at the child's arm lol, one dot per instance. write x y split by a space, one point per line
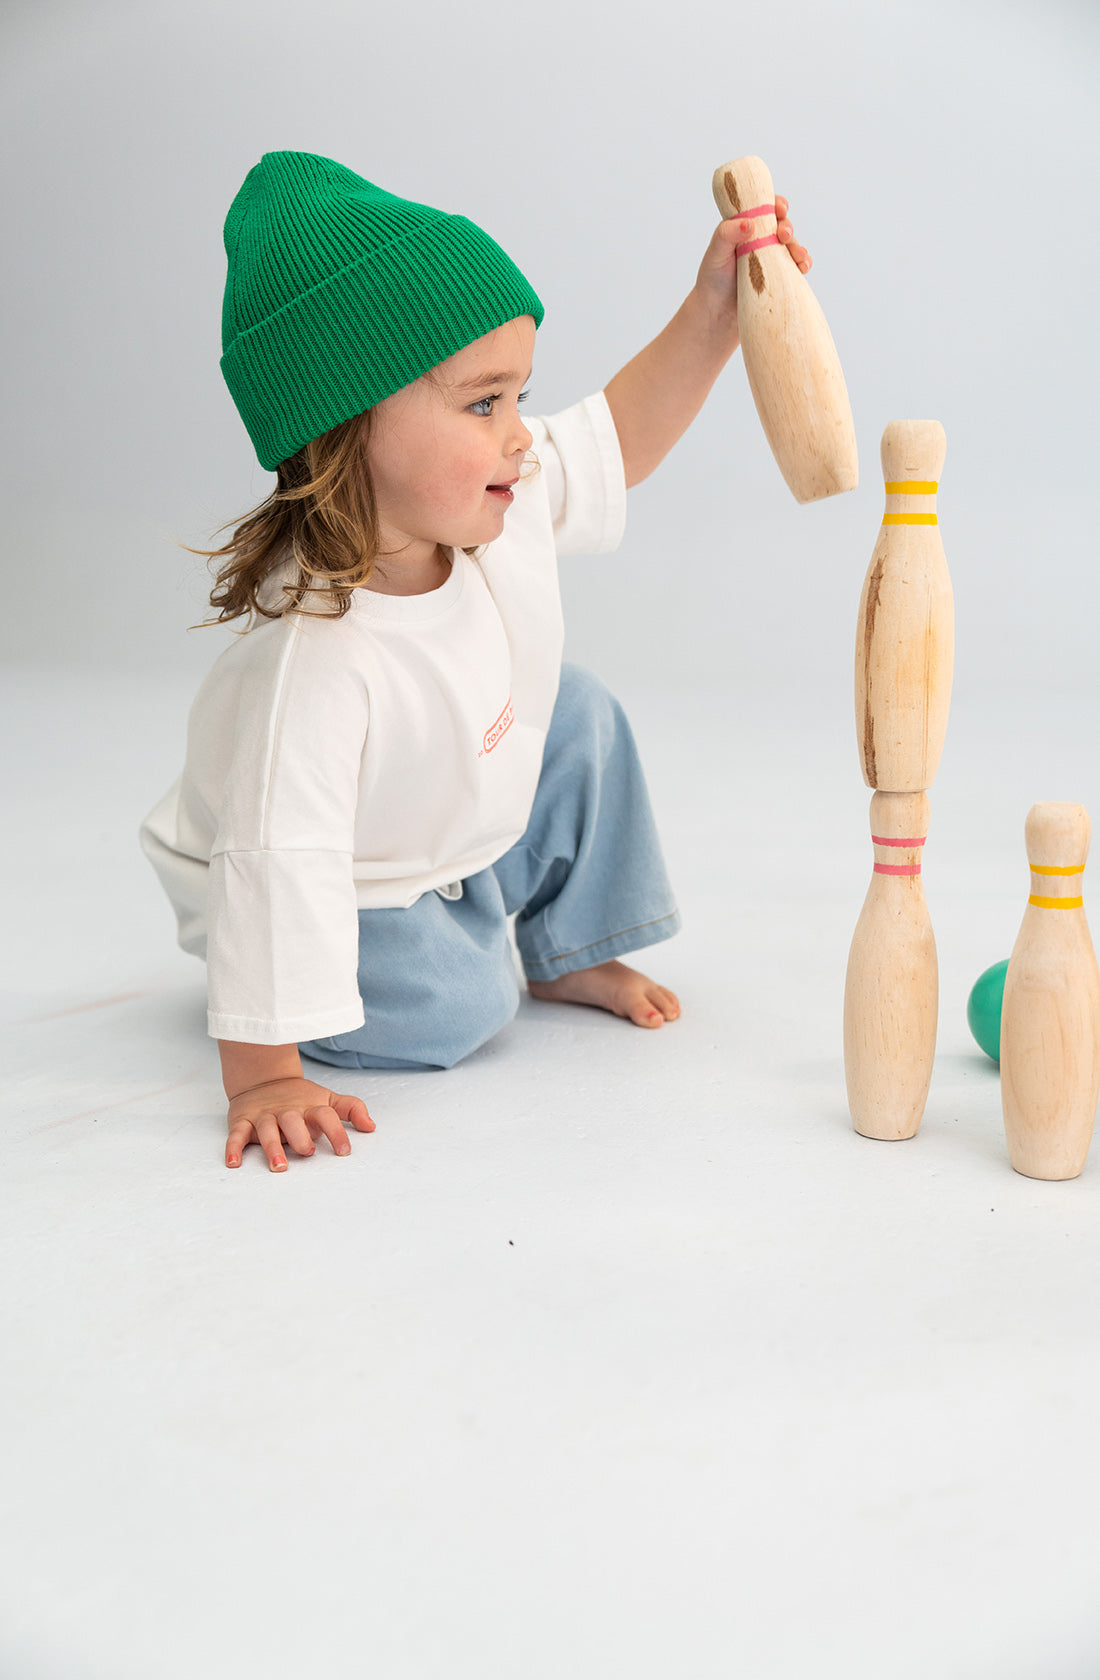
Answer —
654 399
270 1100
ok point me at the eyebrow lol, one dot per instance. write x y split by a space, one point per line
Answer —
496 378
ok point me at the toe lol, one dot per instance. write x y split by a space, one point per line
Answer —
646 1012
667 1002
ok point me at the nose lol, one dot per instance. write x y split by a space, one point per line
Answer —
522 438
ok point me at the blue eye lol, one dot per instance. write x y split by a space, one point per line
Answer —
484 405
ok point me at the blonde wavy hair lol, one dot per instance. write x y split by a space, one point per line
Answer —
322 515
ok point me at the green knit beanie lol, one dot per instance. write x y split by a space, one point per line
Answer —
338 294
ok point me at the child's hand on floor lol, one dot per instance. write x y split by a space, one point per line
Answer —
294 1110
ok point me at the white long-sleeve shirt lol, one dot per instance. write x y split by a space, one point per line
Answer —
335 764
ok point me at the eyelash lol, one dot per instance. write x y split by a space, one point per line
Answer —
496 397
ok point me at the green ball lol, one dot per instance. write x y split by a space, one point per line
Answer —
983 1010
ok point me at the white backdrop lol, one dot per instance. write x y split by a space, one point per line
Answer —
942 167
609 1353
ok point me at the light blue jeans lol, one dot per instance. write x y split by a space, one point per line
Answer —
586 883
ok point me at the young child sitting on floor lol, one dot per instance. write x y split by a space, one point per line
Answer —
391 760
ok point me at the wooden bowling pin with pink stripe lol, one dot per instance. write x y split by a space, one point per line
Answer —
904 664
1050 1018
892 994
793 369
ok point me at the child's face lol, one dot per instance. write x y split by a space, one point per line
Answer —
443 451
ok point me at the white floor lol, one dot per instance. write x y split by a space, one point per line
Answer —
610 1353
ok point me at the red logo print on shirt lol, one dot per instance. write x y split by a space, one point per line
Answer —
499 729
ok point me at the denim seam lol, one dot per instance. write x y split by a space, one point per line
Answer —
622 933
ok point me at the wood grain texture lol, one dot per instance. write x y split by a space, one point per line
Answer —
792 364
905 637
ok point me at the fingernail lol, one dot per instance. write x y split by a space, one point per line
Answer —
346 1150
233 1161
278 1164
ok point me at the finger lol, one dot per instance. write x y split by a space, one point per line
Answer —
353 1111
799 253
326 1121
271 1141
781 207
733 230
240 1136
292 1124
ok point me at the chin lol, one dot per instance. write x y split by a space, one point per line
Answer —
486 534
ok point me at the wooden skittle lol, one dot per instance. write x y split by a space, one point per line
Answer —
793 369
891 996
1050 1018
905 642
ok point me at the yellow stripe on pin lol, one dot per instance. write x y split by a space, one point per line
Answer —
1057 868
914 487
909 519
1055 903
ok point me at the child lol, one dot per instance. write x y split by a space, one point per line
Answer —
390 761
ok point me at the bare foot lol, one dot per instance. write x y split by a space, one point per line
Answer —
613 986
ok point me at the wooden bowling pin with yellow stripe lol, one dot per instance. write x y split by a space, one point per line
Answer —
905 645
1050 1018
904 663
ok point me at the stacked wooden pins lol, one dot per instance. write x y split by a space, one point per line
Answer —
1050 1026
904 658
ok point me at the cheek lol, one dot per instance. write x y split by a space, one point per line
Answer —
459 472
431 471
402 471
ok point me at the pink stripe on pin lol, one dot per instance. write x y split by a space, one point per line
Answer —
881 840
756 245
897 869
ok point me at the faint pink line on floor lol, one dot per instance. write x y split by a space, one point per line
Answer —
106 1108
79 1008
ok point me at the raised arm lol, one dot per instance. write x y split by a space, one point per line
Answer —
655 397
